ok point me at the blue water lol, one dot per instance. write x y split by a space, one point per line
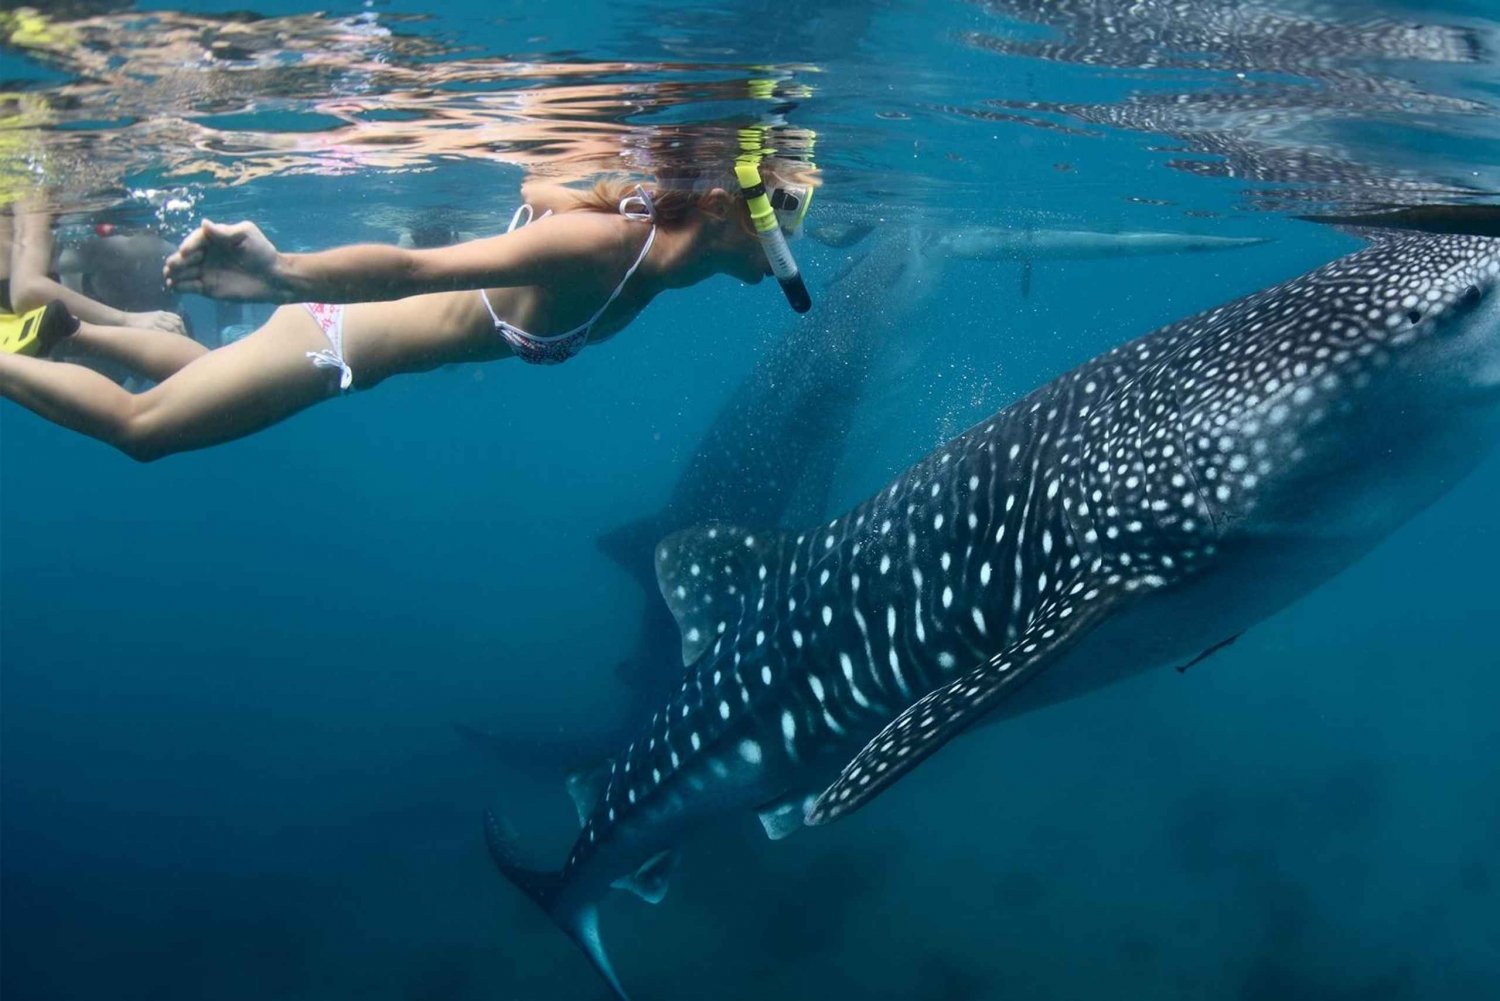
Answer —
230 678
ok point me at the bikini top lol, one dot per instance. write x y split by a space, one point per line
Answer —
554 349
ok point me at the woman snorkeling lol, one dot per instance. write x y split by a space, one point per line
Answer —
576 267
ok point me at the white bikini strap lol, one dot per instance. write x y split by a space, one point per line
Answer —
495 317
645 249
642 197
523 217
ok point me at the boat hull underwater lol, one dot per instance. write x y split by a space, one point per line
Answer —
1139 511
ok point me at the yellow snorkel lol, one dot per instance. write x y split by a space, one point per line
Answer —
768 228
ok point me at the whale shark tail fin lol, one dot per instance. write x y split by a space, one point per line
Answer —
579 922
500 838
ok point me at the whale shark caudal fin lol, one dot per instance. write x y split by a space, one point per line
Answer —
704 573
581 924
944 713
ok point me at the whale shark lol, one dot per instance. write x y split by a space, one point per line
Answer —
1142 509
771 452
1138 511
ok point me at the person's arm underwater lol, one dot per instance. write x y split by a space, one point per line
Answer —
238 262
32 286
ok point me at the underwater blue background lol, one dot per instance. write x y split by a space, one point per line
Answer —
230 678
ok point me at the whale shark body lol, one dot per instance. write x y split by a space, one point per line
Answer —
1138 511
770 454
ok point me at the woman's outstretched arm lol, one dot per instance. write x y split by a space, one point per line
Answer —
238 262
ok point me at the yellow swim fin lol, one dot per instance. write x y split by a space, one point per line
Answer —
36 331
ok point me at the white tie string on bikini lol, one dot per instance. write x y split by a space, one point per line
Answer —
330 317
329 359
642 197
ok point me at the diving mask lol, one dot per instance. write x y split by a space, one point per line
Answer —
790 203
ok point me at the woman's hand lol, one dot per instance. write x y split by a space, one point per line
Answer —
158 319
227 262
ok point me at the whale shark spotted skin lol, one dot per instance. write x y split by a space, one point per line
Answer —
1142 509
770 454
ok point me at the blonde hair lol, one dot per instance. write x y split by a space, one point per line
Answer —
677 198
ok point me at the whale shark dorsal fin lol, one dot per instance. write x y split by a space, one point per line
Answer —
629 546
649 882
706 575
943 713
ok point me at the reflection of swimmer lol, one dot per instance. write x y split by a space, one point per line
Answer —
28 278
581 272
122 267
28 270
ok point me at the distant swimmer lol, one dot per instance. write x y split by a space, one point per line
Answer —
575 267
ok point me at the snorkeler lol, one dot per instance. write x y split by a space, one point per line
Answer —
576 267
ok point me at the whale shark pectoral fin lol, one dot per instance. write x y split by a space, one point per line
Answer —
649 882
784 817
706 574
586 788
943 713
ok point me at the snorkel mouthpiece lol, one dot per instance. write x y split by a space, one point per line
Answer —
772 240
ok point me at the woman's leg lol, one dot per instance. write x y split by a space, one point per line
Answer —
154 354
225 394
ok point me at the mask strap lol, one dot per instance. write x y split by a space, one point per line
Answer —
642 198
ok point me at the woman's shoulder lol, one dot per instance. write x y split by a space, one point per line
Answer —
552 196
598 236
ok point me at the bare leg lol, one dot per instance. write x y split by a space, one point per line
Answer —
154 354
225 394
